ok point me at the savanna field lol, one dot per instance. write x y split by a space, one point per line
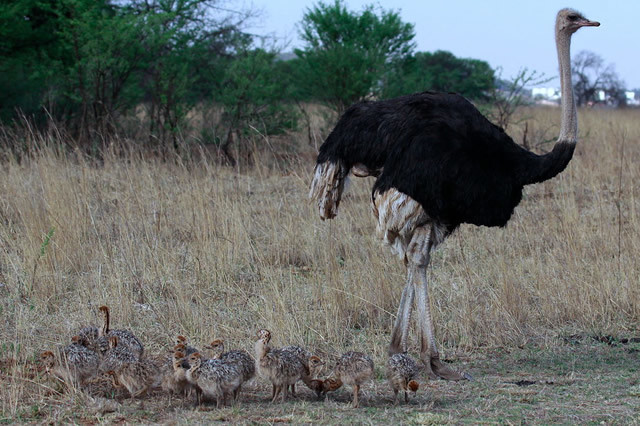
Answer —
543 313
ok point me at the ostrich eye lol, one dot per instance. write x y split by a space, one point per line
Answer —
573 17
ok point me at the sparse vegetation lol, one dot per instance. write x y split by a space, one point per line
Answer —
543 313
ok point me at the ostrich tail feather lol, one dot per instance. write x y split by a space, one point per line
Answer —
327 187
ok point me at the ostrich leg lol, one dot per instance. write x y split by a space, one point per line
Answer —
401 327
418 254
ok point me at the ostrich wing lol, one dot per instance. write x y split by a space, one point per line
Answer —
460 167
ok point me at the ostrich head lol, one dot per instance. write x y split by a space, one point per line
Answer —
217 347
315 364
413 386
181 340
195 359
179 361
569 21
79 340
104 311
48 359
331 384
264 334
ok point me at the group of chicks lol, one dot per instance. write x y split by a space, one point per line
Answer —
117 357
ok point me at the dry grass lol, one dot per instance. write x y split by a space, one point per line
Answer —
202 250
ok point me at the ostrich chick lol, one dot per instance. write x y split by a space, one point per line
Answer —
353 368
75 364
188 350
125 337
175 381
402 371
215 378
312 362
240 358
281 368
137 375
116 356
88 337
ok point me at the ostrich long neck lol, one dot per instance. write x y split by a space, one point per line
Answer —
569 121
105 325
261 348
539 168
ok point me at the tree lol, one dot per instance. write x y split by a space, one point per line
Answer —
253 95
591 75
31 57
90 62
440 71
346 53
105 48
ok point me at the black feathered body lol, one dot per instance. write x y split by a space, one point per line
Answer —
438 149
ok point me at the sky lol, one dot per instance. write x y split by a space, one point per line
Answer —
506 33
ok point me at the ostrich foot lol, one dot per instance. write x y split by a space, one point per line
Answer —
436 369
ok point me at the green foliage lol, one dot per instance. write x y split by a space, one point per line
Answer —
94 66
46 241
105 48
254 95
439 71
90 62
346 53
31 56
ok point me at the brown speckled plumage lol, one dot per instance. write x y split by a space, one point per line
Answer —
402 371
116 356
353 368
138 375
281 368
175 379
215 378
125 337
74 363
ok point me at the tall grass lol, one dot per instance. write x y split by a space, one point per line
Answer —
199 249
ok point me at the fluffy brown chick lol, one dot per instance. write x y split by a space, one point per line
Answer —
354 369
215 378
175 380
138 377
74 363
188 350
402 370
116 356
241 358
125 337
281 368
312 362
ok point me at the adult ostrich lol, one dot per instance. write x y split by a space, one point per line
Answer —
439 164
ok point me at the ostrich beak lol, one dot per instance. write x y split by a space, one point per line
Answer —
587 23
